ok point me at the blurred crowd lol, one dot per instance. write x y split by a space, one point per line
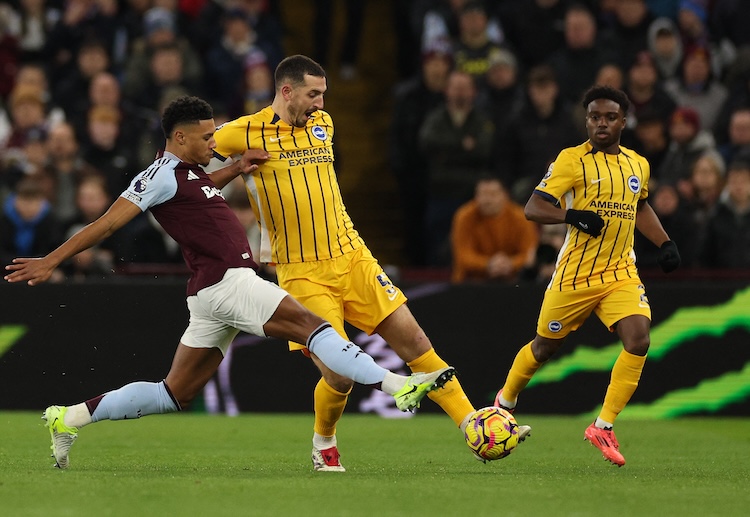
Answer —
82 87
489 94
498 95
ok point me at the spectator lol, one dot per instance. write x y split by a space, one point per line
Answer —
542 127
91 201
166 71
30 27
551 240
227 58
28 117
687 142
413 100
665 45
645 92
105 150
582 52
675 218
440 24
259 86
491 238
10 55
651 140
27 225
692 18
456 138
533 28
34 75
66 168
81 21
504 94
704 189
739 136
696 87
104 90
263 16
27 111
727 243
160 32
738 98
34 152
629 32
473 49
610 74
92 59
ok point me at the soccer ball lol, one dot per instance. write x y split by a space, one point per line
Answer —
491 434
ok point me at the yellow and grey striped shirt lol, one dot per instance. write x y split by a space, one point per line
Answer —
610 185
295 193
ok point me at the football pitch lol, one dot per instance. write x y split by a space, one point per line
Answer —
258 464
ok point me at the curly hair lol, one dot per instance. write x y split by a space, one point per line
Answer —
609 93
185 110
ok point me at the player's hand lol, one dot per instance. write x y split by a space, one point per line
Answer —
669 257
33 270
586 221
250 160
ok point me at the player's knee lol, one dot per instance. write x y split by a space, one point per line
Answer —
543 349
638 345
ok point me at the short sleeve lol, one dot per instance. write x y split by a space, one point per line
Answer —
152 187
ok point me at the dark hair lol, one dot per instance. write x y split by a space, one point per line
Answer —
295 68
487 177
741 163
185 110
609 93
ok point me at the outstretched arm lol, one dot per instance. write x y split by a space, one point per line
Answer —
37 270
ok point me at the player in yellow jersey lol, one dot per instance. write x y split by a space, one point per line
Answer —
320 258
599 188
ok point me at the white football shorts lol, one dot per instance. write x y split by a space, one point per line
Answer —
241 301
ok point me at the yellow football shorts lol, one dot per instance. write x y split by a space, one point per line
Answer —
352 288
563 312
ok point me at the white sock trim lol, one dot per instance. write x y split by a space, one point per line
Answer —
321 442
77 416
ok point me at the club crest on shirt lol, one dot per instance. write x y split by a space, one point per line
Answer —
634 184
319 133
140 185
554 326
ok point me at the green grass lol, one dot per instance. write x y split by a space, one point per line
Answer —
193 464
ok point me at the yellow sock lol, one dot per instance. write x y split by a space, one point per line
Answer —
625 376
523 369
329 405
451 398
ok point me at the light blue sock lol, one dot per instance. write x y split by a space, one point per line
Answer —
134 400
344 357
